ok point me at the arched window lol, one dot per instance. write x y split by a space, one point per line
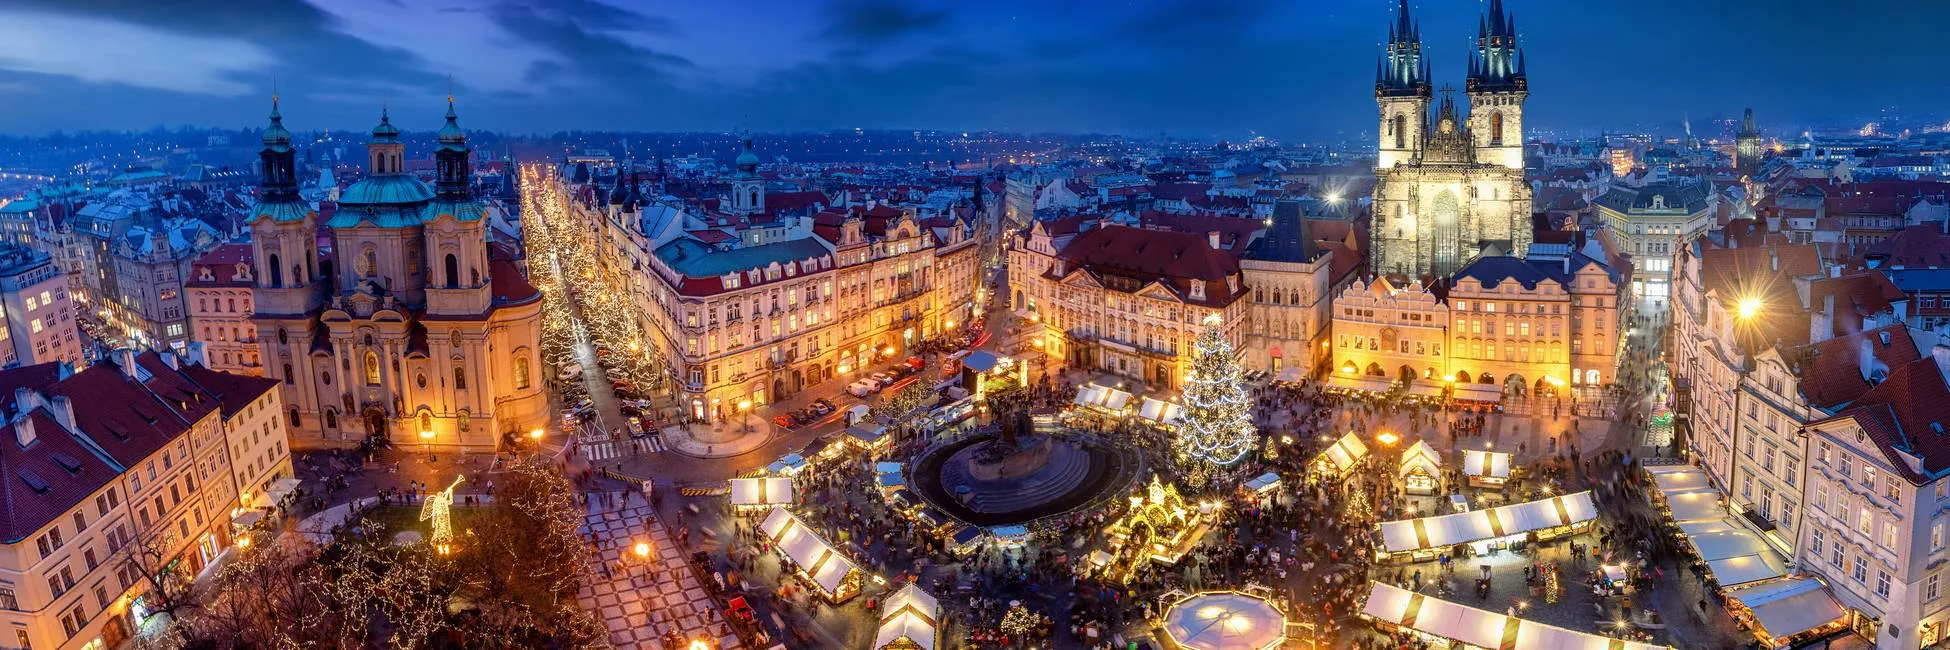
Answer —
1400 129
331 418
426 420
453 271
325 376
521 369
372 368
460 378
1496 128
1591 377
277 274
297 419
284 337
754 199
287 371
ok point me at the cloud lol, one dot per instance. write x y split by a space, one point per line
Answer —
104 51
301 39
591 44
866 22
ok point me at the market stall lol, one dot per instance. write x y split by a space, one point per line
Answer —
1421 469
1486 468
1160 412
1782 613
1340 456
1263 483
907 621
1483 530
834 577
1225 620
752 494
1393 608
787 465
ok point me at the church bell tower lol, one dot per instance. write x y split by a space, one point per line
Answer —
1497 87
1401 88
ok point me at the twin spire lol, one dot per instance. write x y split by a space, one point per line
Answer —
1496 64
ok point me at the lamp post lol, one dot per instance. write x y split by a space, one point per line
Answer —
745 415
426 443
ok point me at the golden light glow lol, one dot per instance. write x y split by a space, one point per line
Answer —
744 405
535 435
699 644
1748 307
1387 438
642 549
243 542
426 434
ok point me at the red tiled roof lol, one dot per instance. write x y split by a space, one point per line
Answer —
1235 233
24 509
1150 252
1836 372
1765 273
1914 247
1909 412
794 201
507 284
711 236
1857 296
233 391
222 263
1179 191
1871 204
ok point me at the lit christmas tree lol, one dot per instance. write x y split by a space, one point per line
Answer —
1217 430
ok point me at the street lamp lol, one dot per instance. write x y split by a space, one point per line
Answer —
745 415
426 443
1748 307
1387 438
536 435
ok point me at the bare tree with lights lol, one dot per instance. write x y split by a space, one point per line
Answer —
1217 430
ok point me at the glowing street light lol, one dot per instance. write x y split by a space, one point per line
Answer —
1387 438
1748 307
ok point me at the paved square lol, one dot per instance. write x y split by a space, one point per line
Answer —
635 609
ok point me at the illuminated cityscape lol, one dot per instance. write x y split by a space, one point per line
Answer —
911 325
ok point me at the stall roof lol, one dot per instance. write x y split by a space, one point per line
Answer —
760 491
1479 525
1263 482
980 361
1673 478
807 549
1480 628
1491 464
908 615
1157 410
1489 393
1785 608
1423 456
1225 620
867 435
1743 569
1695 505
1344 453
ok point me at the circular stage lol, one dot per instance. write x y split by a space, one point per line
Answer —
981 481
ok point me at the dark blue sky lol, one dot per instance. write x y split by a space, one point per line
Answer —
1223 68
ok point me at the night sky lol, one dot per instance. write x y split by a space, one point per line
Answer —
1206 68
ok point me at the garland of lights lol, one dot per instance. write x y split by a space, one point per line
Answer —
1217 430
563 252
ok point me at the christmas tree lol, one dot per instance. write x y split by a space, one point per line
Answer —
1217 430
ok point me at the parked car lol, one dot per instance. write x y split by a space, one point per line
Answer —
821 407
863 387
783 421
881 378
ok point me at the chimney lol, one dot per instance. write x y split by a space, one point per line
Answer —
24 431
28 399
63 411
170 359
1774 259
1212 237
197 354
125 359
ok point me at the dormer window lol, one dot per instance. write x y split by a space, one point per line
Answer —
203 273
1198 290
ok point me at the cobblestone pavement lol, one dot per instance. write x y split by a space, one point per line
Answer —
640 603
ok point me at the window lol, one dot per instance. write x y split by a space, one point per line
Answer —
460 378
1889 535
1882 584
1847 467
1815 542
521 369
80 522
1930 588
8 600
1861 572
372 368
1936 535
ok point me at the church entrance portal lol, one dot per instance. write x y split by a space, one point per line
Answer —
375 419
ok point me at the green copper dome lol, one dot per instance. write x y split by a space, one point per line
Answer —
275 135
385 132
450 135
386 190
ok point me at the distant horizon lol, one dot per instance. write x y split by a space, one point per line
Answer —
1197 69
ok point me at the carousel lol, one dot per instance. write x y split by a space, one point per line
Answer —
1159 526
1225 620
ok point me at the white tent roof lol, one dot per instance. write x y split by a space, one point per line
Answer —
1705 526
1695 505
760 491
1344 453
908 614
1742 569
1493 464
1734 542
1157 410
807 549
1478 525
1263 482
1115 399
1225 620
1478 627
1789 607
1421 455
1676 478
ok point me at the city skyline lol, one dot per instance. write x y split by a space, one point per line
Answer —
1200 69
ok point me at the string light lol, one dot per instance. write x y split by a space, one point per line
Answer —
1217 430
